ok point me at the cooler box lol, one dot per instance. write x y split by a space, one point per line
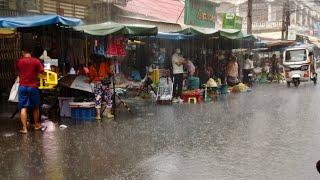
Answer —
65 110
83 111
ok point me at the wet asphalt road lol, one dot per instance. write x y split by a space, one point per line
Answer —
271 133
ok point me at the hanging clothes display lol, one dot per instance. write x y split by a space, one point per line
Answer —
100 47
116 46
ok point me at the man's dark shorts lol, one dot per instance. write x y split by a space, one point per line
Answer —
28 97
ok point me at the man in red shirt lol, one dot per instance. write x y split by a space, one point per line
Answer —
29 69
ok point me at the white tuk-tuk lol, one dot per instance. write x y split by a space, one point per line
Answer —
299 65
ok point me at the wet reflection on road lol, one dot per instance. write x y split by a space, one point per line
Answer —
271 133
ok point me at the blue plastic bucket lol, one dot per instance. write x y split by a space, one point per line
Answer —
193 83
223 89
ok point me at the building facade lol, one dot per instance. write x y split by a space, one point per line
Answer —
68 8
268 15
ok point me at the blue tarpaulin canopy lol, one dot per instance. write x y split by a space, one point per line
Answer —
38 20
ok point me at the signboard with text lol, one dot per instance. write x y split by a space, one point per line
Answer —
200 13
231 21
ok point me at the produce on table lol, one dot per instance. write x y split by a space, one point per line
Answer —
240 88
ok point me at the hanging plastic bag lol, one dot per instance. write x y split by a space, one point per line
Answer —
13 97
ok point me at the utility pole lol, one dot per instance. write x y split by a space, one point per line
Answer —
249 17
285 20
288 21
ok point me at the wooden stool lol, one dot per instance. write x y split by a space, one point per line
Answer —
193 99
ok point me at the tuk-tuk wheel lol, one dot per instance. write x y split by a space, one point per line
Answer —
296 82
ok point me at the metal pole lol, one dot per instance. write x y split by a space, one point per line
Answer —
249 17
87 60
287 18
283 21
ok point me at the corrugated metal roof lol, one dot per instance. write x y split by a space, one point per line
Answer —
164 10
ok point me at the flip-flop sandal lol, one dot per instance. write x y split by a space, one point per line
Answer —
23 132
43 128
38 128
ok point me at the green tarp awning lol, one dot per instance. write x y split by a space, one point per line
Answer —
231 34
198 31
113 28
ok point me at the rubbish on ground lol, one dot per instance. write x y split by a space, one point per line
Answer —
62 126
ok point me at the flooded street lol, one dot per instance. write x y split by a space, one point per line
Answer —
270 133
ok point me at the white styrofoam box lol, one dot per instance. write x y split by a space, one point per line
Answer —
65 110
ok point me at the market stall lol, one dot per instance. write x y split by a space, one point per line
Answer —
48 36
113 43
202 47
9 52
266 52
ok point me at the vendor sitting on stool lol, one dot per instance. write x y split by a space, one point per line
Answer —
102 92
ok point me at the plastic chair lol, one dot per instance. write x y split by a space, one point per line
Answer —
193 99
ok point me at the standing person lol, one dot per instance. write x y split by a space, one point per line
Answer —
274 69
232 71
312 63
29 69
222 67
177 66
190 67
248 68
